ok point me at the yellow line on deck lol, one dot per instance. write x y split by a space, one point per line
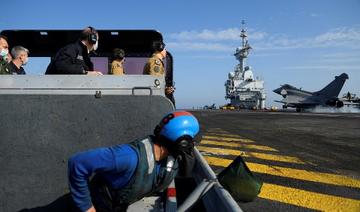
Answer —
262 156
298 174
231 144
216 130
224 134
243 140
308 199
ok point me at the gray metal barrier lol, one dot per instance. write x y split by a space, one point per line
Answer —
209 190
46 119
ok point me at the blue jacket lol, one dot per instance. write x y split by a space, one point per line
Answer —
118 163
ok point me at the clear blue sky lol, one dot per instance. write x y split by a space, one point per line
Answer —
301 42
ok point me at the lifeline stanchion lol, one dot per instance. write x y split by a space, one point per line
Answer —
171 204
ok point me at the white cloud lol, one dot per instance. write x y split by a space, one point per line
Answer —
354 59
342 55
211 57
339 37
323 67
314 15
217 40
199 46
230 34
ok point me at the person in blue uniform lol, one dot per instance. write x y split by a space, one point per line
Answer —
124 174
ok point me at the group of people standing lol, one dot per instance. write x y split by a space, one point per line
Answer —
74 58
12 62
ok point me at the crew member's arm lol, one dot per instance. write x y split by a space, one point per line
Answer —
89 70
94 73
81 166
117 159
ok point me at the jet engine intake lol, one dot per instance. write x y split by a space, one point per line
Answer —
339 103
335 103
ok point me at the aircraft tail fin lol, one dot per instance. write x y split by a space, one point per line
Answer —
333 88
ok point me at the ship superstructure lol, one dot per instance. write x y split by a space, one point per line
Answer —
243 90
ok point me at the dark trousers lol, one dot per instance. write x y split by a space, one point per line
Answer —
102 199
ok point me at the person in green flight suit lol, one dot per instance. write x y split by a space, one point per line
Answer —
4 54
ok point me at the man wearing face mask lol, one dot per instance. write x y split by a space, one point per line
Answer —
74 58
124 174
20 58
4 52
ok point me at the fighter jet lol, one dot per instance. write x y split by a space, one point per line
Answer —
211 107
301 99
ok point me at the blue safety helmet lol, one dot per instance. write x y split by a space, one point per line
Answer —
178 124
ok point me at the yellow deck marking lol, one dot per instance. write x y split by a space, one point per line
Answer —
244 140
223 135
298 174
308 199
230 144
263 156
216 130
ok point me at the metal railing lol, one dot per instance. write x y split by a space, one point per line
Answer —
209 190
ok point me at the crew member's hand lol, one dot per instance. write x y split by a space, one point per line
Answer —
92 209
94 73
169 90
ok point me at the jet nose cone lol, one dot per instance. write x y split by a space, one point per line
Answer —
344 76
278 90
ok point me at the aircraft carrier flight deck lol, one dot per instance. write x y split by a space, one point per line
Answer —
307 161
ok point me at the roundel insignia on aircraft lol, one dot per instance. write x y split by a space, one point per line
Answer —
283 92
